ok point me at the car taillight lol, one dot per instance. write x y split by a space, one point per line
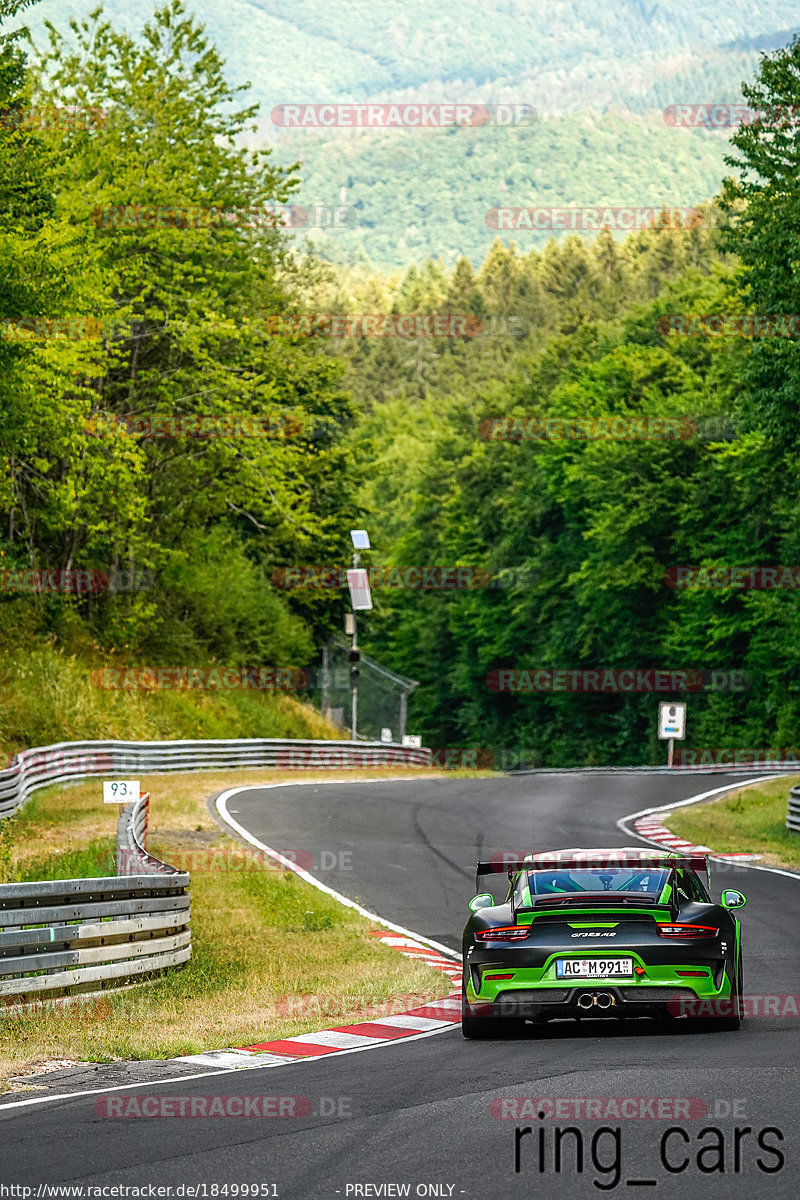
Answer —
687 931
510 975
509 933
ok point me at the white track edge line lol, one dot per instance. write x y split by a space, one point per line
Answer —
153 1083
622 823
221 806
222 809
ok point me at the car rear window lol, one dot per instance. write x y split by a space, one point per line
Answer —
630 881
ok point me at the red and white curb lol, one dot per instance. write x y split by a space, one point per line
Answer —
648 825
651 829
426 1018
414 949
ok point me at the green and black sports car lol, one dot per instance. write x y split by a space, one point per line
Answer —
600 933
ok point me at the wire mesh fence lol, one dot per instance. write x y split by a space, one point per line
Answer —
382 694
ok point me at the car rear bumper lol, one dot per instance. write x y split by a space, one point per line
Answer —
588 1001
660 991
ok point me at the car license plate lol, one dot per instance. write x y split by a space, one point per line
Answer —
593 968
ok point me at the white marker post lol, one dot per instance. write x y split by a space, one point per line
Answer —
120 791
671 725
360 601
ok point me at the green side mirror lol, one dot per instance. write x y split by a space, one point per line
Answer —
732 899
484 900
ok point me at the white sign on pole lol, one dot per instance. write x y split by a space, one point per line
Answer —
358 583
386 734
412 739
671 720
120 791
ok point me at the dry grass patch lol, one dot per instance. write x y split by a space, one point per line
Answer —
752 820
272 956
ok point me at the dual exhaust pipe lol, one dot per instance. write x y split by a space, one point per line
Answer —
596 1000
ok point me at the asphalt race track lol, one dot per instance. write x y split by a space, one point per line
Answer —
416 1115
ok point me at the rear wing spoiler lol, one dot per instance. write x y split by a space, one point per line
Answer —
503 864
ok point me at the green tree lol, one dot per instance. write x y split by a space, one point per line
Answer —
763 204
189 299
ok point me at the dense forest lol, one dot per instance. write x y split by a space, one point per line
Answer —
636 53
599 80
165 417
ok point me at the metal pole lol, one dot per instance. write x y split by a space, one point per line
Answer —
324 696
354 711
670 751
403 710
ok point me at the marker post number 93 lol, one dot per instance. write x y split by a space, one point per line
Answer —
120 791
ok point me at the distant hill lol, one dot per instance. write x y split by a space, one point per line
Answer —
600 76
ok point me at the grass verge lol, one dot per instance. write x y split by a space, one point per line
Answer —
272 956
48 695
750 820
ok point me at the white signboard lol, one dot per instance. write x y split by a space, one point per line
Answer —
671 720
360 596
412 739
120 791
386 734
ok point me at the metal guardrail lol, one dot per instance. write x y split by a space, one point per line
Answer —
67 761
132 857
62 937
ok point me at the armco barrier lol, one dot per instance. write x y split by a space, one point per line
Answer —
61 937
84 934
132 857
793 810
66 761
